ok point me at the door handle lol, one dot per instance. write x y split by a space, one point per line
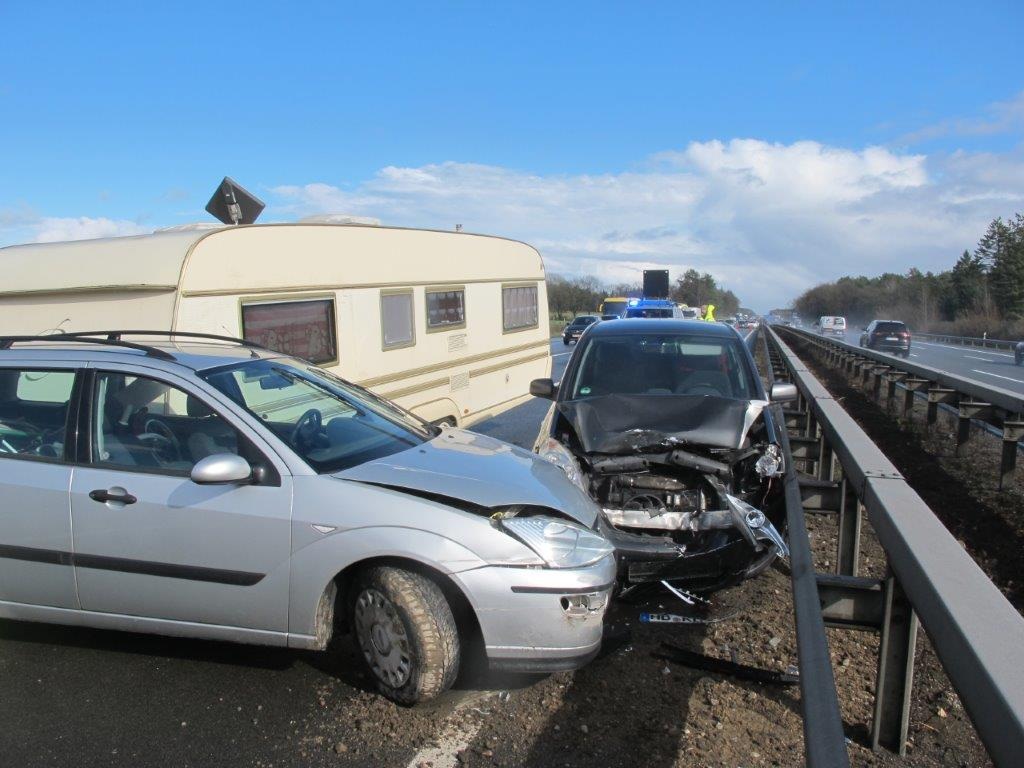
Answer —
103 496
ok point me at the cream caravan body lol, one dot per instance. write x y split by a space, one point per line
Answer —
450 325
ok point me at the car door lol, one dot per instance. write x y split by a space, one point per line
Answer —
36 407
149 541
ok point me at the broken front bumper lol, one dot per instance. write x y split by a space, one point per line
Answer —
540 619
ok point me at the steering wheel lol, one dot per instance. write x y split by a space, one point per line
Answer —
307 427
164 444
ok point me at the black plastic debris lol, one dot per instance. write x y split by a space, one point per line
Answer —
670 652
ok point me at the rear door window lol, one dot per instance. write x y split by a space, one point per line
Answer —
33 413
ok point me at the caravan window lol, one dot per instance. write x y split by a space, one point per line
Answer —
519 307
303 329
446 308
397 326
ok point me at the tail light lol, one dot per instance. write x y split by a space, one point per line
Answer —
904 334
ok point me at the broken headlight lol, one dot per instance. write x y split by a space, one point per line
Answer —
561 544
559 455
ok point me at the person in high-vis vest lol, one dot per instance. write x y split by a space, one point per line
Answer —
708 313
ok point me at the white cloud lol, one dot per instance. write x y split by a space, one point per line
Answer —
52 229
768 220
24 225
1000 117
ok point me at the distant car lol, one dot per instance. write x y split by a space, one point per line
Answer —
832 325
661 309
887 336
575 329
1018 353
748 322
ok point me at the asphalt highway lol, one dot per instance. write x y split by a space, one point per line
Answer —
993 367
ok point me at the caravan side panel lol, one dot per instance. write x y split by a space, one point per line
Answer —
35 313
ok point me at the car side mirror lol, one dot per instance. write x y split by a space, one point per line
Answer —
783 392
543 388
221 469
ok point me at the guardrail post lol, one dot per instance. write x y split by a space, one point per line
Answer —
850 514
825 460
895 671
969 409
938 395
893 377
1013 431
912 385
878 371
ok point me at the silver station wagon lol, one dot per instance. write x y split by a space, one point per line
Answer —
194 485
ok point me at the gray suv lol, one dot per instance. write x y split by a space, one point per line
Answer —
206 487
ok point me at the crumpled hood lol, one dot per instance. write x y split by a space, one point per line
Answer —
479 470
623 424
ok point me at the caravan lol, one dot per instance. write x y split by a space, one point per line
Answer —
452 326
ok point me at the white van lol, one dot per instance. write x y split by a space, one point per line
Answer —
453 326
829 325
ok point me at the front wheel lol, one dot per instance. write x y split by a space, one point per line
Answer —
407 634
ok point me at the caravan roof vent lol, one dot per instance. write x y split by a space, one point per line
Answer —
194 226
340 218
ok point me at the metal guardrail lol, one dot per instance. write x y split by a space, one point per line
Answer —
824 741
976 632
973 399
967 341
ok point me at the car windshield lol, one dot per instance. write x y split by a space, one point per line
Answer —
663 364
890 327
584 320
331 424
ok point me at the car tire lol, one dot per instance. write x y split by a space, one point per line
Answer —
566 342
406 634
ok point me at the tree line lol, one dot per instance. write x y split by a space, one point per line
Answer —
584 294
982 293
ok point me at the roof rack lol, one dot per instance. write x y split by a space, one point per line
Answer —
116 336
6 342
114 339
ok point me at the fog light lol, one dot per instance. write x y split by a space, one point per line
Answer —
581 605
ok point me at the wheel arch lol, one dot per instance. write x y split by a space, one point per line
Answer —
338 592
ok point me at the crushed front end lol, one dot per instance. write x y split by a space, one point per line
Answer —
697 500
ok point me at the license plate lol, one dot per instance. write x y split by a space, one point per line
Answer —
891 338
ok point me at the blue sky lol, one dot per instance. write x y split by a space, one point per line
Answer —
799 139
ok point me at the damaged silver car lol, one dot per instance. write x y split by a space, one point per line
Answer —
219 490
664 423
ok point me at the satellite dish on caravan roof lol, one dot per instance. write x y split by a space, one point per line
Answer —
233 205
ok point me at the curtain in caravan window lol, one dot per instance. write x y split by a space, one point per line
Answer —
396 320
303 329
446 308
519 307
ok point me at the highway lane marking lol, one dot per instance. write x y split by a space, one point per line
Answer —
562 354
1019 381
455 736
957 349
983 359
